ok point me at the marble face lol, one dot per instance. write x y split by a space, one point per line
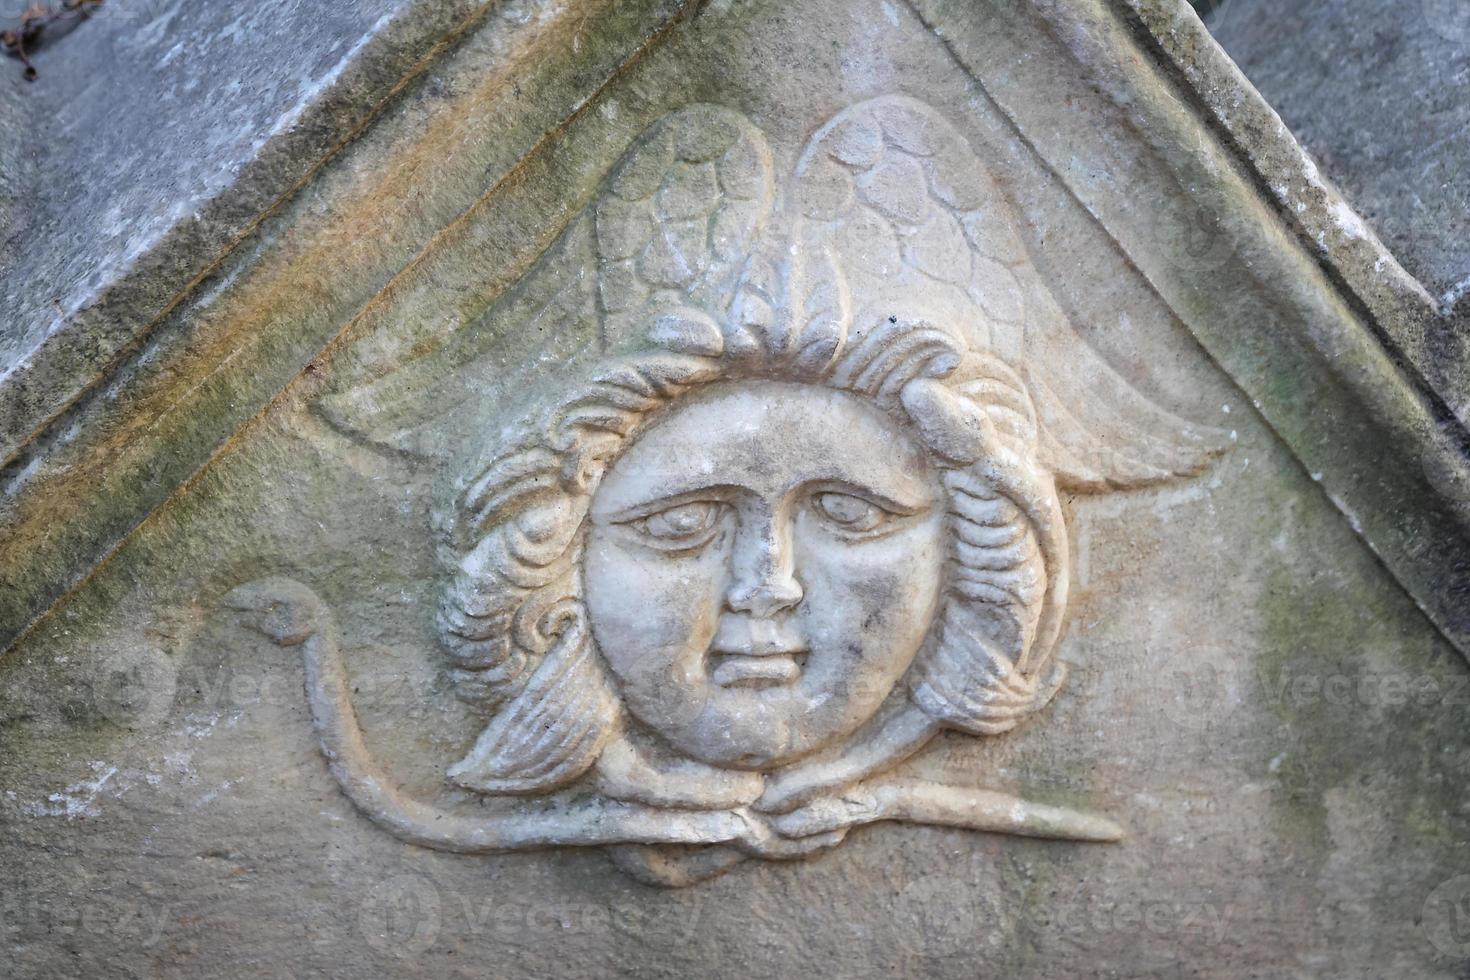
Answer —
763 564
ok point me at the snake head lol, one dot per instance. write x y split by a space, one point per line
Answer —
281 608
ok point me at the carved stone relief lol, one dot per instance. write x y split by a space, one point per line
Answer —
710 592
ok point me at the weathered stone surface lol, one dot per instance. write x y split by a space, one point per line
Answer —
155 137
141 116
1404 61
1380 96
87 478
800 452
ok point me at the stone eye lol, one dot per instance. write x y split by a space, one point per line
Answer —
683 524
849 513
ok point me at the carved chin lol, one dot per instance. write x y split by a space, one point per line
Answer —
749 737
750 745
744 728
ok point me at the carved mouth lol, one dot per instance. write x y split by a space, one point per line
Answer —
773 669
757 653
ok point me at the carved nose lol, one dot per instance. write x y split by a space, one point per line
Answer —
767 598
764 581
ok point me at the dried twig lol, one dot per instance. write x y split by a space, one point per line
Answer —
22 40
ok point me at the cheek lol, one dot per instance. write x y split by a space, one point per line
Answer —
874 600
652 614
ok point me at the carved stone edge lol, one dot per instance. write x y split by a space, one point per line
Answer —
1421 327
86 345
1363 421
143 418
1422 338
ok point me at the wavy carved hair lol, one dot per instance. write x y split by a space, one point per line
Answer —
512 617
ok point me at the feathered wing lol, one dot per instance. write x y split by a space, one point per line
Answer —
670 228
678 218
919 230
432 395
1097 432
555 727
894 198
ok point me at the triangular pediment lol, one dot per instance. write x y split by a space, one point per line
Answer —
699 432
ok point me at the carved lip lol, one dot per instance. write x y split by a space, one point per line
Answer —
756 670
756 652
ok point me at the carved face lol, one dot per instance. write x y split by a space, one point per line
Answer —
763 564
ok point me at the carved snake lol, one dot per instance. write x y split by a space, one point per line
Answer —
292 615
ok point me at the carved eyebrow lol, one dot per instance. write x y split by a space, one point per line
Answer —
904 508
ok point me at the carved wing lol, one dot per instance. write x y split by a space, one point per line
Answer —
919 230
678 219
670 227
428 396
555 727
